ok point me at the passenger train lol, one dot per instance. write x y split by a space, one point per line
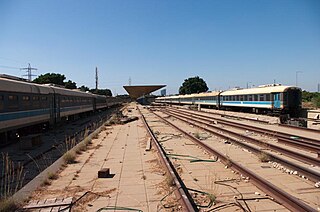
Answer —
23 104
273 99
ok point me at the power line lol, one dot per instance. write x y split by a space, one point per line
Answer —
29 71
11 67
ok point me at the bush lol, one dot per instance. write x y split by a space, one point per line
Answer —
316 100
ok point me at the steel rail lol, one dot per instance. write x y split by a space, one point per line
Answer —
289 201
311 174
300 128
263 130
181 192
290 153
312 145
233 116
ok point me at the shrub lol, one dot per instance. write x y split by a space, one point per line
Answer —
69 157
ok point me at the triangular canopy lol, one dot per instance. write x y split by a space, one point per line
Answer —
137 91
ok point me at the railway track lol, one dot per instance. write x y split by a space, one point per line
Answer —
289 139
303 171
289 201
182 192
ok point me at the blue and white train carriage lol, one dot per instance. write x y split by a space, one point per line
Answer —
272 98
24 104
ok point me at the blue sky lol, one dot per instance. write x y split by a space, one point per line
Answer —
227 43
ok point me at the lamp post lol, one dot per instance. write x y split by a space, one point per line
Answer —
297 72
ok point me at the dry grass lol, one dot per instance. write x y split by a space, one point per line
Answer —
13 177
53 176
69 157
264 158
46 182
8 205
169 180
197 135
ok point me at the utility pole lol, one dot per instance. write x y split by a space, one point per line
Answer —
29 72
96 79
129 81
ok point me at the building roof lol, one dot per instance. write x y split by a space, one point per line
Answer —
136 91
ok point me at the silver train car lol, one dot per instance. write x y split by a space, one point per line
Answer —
26 104
274 99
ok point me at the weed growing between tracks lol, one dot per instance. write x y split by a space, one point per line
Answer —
264 158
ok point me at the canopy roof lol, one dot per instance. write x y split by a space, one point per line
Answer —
136 91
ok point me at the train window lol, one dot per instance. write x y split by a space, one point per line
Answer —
255 97
268 97
1 97
12 97
261 97
241 97
35 98
250 97
44 98
26 98
245 98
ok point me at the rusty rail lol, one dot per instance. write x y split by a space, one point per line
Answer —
312 145
281 196
181 191
312 175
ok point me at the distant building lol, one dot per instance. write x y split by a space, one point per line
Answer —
163 92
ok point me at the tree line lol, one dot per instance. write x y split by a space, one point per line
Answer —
312 97
59 79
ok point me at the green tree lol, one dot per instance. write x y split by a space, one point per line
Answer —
193 85
50 78
70 85
316 100
84 88
105 92
307 96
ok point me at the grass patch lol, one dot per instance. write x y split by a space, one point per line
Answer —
264 158
81 148
69 157
52 176
7 205
197 135
46 182
170 181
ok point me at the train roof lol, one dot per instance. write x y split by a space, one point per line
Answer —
212 93
259 90
25 87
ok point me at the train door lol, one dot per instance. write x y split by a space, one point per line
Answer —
57 98
94 104
276 100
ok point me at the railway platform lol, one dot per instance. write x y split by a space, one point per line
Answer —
134 179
